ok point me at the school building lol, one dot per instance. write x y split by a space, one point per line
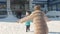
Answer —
21 5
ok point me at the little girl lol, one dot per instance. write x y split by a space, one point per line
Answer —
27 23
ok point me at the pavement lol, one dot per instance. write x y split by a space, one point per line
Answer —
18 28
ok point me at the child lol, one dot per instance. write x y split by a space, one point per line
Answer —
27 23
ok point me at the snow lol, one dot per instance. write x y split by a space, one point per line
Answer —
9 18
10 26
18 28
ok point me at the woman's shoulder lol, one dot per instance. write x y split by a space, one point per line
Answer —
37 12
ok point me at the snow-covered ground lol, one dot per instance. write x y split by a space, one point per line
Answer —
18 28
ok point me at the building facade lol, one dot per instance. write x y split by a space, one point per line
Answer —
3 8
8 6
54 5
43 4
13 5
46 5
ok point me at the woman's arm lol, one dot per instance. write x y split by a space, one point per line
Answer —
26 18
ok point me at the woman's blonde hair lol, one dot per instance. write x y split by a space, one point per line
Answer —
37 7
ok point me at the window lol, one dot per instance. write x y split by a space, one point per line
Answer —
3 9
50 8
54 7
54 0
42 5
3 5
51 16
3 12
58 7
